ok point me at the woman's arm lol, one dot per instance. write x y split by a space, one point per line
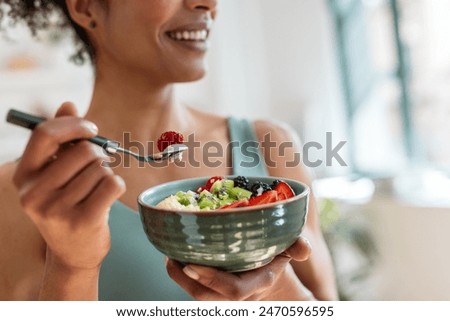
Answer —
61 282
66 192
25 272
22 249
316 273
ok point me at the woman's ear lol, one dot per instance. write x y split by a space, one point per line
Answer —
82 12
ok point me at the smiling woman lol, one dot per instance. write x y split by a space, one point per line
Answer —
139 38
84 239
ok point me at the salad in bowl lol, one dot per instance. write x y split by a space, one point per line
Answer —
232 223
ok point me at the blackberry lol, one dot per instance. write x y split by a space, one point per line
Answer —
259 187
241 181
275 183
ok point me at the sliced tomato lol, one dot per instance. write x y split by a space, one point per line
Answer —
240 203
284 191
264 198
200 189
209 183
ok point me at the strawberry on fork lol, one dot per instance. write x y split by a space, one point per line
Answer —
169 138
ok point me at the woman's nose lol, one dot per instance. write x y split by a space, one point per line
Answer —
206 5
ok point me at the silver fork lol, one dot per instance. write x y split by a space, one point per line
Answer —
171 153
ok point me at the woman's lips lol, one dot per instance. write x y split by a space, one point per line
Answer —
192 35
189 38
189 35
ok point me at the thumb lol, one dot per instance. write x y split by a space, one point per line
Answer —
300 250
67 109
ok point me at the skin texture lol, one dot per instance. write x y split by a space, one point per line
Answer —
59 205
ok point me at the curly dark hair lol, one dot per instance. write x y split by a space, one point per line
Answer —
36 15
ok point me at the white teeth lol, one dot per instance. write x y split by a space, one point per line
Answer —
198 35
189 35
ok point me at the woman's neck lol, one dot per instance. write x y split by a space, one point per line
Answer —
145 110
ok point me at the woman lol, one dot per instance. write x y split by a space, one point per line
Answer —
57 199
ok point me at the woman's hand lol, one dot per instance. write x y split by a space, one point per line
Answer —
67 192
275 281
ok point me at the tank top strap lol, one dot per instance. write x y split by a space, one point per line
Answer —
245 152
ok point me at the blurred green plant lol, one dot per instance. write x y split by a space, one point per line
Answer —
329 214
352 247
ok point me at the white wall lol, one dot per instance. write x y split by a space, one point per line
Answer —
413 244
40 89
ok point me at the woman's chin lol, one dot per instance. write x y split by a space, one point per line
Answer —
191 76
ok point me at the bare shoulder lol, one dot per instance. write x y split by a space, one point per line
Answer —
279 130
280 145
22 250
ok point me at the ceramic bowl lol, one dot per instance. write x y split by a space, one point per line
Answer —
232 240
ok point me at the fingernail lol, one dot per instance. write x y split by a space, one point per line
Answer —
307 242
92 127
191 273
166 259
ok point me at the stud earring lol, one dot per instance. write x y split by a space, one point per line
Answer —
92 24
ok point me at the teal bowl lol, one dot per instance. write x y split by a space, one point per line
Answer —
233 240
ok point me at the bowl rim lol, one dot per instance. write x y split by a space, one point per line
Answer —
303 194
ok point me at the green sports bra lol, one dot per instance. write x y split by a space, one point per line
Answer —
133 269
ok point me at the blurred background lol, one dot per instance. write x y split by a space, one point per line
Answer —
374 73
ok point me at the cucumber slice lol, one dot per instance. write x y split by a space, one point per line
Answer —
216 187
240 193
227 185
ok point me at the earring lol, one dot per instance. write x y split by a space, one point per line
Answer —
92 24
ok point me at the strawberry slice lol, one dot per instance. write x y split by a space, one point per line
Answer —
240 203
169 138
264 198
209 183
284 191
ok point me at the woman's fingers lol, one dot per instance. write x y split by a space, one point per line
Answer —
70 162
83 184
238 286
300 250
46 140
206 283
67 109
191 286
69 165
107 191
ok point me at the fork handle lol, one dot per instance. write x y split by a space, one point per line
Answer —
23 119
30 121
